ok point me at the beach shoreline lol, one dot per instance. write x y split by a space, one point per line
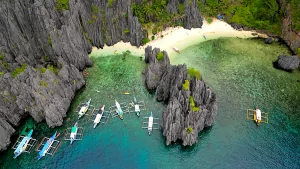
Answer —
178 37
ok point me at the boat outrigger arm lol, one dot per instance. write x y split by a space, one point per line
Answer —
24 144
150 123
50 145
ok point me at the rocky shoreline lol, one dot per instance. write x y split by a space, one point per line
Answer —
43 50
192 105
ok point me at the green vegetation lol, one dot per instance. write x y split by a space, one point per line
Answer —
181 8
5 65
19 70
55 81
62 5
155 11
160 56
43 83
209 20
53 69
192 104
186 85
126 30
110 3
74 81
153 37
49 40
145 40
260 14
91 21
193 72
1 73
45 58
1 57
295 6
189 130
95 9
252 13
42 70
298 52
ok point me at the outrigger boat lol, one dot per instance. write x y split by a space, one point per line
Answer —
48 145
24 144
136 107
99 116
84 108
73 132
119 110
257 115
150 124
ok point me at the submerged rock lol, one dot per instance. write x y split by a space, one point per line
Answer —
269 40
288 62
189 109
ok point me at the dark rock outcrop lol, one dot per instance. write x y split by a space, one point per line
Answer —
35 33
288 62
179 117
5 132
269 40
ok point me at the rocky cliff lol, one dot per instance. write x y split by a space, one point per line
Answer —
192 104
290 35
45 45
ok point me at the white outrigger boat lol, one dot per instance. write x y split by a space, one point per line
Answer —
84 109
150 124
49 146
25 145
74 133
119 110
137 106
257 115
99 116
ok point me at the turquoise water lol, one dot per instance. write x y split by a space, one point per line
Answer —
242 75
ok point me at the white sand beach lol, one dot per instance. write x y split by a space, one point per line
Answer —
178 37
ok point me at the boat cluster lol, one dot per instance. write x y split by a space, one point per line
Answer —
50 145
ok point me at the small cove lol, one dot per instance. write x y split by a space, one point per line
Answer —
240 71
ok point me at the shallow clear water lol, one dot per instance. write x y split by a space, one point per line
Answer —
242 75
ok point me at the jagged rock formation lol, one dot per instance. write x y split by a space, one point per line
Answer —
179 117
288 62
35 33
290 36
6 131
